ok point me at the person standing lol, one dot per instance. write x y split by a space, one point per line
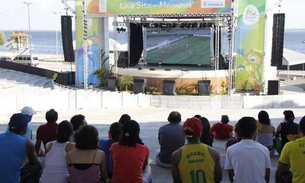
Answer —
47 132
14 149
248 161
55 166
195 161
293 157
222 130
171 137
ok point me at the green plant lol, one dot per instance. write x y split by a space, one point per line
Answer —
151 90
125 81
101 74
185 89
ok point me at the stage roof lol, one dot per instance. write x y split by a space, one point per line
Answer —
291 57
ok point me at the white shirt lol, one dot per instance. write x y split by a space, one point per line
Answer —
249 160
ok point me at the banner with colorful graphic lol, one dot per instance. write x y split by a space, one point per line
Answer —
91 47
157 7
250 45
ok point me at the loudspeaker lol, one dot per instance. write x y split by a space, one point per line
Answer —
112 83
204 87
278 39
169 87
67 40
123 59
136 43
139 86
273 87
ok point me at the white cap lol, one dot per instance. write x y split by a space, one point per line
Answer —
28 111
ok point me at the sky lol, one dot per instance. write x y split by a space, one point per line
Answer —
45 14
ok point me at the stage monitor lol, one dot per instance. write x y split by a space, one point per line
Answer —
189 47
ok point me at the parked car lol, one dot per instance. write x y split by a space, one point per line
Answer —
26 59
8 59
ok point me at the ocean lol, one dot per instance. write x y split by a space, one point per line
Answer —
44 42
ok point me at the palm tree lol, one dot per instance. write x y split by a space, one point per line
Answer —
125 81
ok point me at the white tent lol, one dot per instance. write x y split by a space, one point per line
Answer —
291 57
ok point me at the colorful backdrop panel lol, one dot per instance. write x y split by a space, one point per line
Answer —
91 47
250 44
157 7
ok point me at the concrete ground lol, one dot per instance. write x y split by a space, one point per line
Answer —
151 119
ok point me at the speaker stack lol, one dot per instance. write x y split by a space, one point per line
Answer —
67 40
204 87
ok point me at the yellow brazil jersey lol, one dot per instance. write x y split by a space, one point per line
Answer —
293 153
196 164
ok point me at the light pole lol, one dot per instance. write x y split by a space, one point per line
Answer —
29 21
56 36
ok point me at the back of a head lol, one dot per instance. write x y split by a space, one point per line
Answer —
51 116
205 124
124 118
247 126
302 125
288 115
263 117
174 117
86 138
18 123
225 119
64 131
130 133
115 130
192 128
77 120
28 111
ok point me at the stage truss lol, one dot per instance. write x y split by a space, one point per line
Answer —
218 21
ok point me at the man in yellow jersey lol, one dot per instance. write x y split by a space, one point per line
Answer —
195 162
293 156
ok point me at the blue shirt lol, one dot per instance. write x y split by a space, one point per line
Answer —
12 156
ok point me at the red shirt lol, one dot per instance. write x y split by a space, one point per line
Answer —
222 131
128 162
47 132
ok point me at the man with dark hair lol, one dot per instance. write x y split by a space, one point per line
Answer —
15 148
293 156
195 161
248 161
78 122
47 132
222 130
171 137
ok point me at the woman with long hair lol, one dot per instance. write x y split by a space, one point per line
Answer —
86 163
55 166
130 156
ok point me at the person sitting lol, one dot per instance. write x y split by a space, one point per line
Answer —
47 132
171 137
195 161
207 136
267 132
114 135
78 122
293 157
55 166
222 130
129 156
124 118
85 162
14 149
287 127
235 139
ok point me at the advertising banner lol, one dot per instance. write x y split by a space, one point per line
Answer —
250 45
157 7
90 47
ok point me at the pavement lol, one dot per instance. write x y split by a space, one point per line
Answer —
151 119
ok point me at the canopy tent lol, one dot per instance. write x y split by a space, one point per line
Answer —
291 57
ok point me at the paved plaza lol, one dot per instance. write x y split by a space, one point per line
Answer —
151 119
